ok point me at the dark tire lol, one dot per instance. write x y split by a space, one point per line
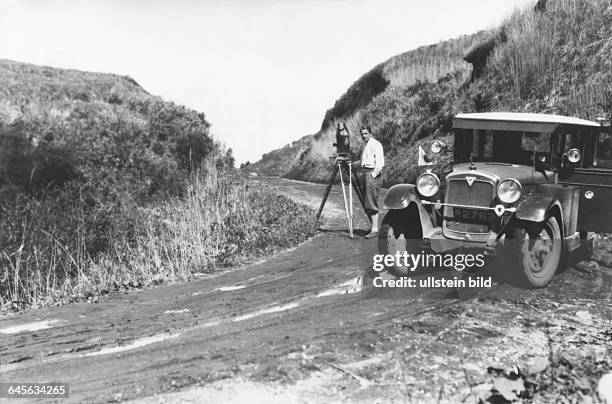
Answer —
400 232
537 249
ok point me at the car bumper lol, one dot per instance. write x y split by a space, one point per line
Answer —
436 241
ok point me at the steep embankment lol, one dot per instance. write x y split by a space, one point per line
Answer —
556 59
104 186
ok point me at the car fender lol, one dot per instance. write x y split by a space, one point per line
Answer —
535 208
546 197
401 196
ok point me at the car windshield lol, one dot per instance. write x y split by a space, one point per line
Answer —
500 146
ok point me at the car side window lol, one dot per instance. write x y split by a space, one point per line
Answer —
603 151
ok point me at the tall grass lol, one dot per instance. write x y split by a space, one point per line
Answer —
221 220
429 63
428 69
563 51
529 52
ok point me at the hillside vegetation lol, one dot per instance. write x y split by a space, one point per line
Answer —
104 186
558 60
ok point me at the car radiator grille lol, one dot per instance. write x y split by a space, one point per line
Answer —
458 192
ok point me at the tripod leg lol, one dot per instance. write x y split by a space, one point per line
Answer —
357 187
346 208
331 181
350 190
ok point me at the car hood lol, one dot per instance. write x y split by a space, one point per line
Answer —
524 174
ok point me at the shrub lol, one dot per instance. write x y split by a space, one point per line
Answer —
64 246
34 169
192 149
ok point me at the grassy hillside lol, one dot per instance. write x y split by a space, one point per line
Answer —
279 161
307 158
556 61
104 186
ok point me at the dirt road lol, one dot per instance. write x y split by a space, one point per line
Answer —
301 326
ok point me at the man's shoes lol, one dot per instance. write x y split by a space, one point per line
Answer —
372 234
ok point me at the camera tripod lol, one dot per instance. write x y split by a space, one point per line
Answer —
340 161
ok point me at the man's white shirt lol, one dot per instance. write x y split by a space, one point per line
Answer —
372 156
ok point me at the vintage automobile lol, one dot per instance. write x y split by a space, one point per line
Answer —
526 189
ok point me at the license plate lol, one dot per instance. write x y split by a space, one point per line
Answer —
473 215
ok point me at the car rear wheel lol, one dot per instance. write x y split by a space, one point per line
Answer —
537 249
400 232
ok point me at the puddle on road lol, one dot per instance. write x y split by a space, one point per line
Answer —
134 345
213 323
229 288
176 311
275 309
36 326
351 286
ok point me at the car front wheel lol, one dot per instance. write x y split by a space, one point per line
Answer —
536 248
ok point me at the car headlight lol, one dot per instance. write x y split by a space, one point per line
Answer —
509 190
428 185
574 155
437 146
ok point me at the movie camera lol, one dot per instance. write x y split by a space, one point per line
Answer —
343 142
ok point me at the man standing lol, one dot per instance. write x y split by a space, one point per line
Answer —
369 169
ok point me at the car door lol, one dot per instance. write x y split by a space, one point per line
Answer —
594 177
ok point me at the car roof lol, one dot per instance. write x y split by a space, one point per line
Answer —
519 121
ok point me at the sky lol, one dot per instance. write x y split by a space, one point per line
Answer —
263 71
